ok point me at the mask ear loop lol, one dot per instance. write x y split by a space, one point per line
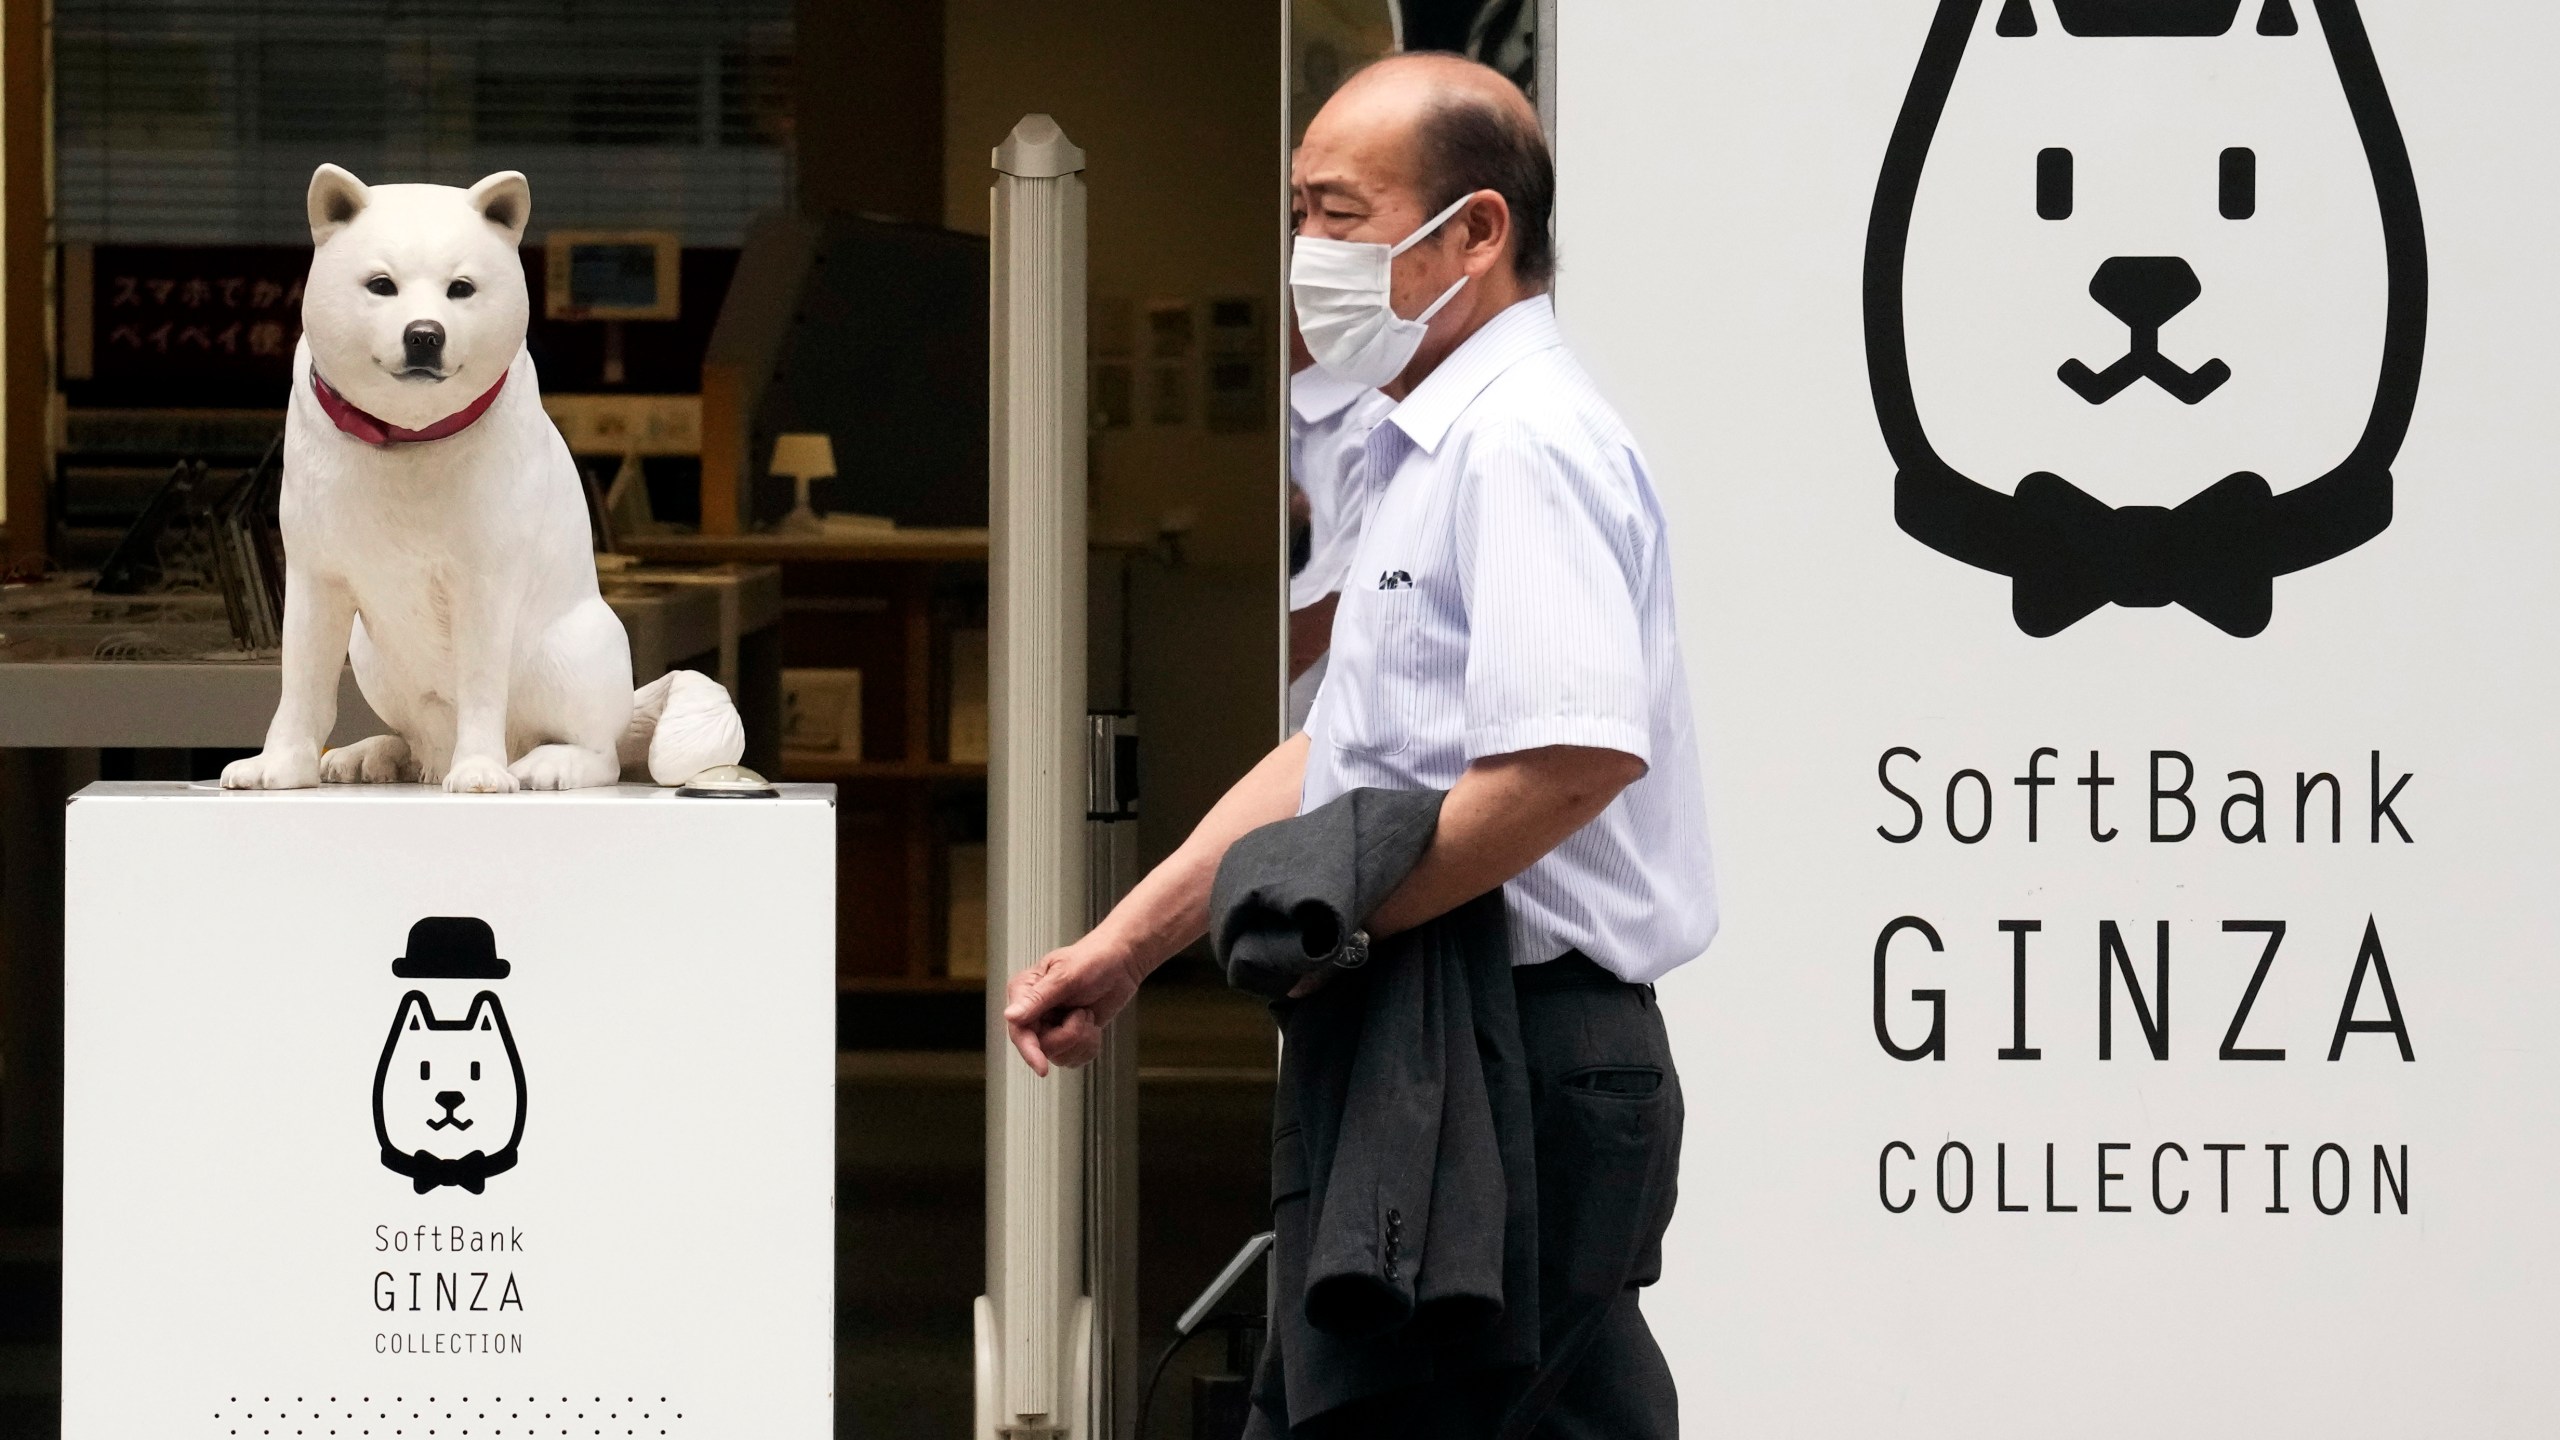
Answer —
1434 223
1416 238
1445 297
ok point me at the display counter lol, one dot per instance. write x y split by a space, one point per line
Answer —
394 1112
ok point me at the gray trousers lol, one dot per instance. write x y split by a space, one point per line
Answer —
1608 1110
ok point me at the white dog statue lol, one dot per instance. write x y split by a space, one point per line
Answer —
435 528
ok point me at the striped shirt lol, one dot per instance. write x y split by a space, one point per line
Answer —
1511 589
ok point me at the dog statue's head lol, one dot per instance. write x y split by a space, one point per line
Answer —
416 302
448 1095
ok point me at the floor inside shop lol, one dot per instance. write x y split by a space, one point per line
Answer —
911 1204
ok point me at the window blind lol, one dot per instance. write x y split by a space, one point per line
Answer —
200 121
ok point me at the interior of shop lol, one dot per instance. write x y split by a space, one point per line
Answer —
758 271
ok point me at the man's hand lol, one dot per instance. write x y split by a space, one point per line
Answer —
1055 1011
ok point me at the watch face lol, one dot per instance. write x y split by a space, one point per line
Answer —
2146 295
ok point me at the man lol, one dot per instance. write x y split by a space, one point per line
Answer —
1329 422
1507 635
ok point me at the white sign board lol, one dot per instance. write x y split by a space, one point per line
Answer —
2106 447
391 1112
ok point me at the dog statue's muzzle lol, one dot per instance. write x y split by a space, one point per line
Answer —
422 347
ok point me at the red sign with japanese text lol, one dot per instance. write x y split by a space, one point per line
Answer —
195 324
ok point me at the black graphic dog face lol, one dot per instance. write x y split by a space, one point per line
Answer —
448 1097
2145 299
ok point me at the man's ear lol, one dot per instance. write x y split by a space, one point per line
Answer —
336 198
506 201
1485 230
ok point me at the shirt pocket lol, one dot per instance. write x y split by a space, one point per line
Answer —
1383 699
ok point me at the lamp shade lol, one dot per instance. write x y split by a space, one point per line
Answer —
806 456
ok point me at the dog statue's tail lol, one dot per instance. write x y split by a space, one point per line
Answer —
682 723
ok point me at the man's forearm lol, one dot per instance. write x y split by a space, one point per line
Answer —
1170 907
1504 813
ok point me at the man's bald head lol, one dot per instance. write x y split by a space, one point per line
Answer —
1461 127
1427 75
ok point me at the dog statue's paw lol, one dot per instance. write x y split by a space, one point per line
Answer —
291 769
478 775
564 767
382 760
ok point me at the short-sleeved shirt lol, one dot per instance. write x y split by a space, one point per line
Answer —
1512 589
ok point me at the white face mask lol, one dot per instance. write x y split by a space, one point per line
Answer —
1342 289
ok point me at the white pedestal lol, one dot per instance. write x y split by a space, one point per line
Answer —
242 1256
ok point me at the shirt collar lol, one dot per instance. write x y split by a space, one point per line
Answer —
1508 338
1316 393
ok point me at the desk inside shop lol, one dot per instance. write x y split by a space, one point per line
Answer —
168 671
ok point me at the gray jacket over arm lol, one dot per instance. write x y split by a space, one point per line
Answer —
1404 1182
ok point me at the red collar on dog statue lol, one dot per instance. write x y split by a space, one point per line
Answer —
374 430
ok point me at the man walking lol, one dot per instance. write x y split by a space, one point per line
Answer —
1506 634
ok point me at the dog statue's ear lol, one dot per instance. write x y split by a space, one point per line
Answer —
506 201
336 198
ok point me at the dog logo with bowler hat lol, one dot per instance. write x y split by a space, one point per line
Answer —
448 1095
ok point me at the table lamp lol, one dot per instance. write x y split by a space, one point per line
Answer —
804 457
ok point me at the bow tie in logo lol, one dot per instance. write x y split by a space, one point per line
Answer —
471 1171
2210 554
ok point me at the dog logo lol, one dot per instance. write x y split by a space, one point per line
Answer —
2167 267
448 1095
1395 580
